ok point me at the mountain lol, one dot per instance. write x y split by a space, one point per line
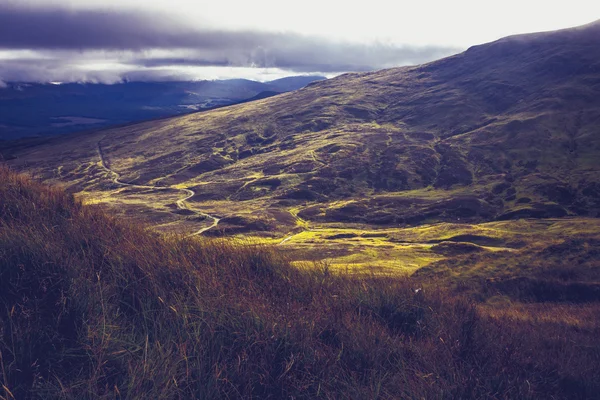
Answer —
504 131
444 219
292 83
29 109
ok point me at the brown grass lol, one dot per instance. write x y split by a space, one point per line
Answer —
95 307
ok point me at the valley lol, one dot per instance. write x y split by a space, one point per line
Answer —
30 109
339 172
181 203
419 232
505 309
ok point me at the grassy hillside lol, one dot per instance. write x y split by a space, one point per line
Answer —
367 171
503 131
94 306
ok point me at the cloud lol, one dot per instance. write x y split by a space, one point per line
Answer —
58 28
305 54
64 69
3 84
91 68
133 38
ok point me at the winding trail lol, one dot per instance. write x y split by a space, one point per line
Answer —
181 203
288 238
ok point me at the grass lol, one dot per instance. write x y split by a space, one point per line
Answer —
402 251
410 146
99 307
378 176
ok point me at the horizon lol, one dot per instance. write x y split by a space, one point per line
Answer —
123 82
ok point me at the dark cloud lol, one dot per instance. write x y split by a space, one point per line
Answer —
179 61
305 54
71 68
56 30
157 75
46 28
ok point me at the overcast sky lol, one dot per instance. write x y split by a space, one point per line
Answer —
114 40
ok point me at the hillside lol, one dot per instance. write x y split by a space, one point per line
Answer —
93 306
33 109
504 131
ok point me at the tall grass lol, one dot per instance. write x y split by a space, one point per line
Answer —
100 308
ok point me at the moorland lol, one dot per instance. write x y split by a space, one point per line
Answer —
428 231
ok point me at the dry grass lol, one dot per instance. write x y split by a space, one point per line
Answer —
95 307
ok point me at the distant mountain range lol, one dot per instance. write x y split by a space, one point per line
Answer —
33 109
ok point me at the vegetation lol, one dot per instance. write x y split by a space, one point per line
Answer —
93 306
501 132
420 232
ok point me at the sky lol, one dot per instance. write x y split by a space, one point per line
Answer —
111 41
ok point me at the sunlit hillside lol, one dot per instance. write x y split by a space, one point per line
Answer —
96 306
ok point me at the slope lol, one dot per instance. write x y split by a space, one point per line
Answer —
98 307
502 131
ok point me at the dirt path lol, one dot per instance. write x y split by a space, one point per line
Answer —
181 203
287 238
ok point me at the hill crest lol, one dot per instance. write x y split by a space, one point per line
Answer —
503 130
